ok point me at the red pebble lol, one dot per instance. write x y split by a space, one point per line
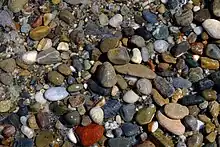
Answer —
90 134
38 22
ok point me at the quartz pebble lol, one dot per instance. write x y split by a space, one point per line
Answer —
63 46
116 20
27 131
212 26
56 93
30 57
161 46
130 97
72 136
97 115
136 57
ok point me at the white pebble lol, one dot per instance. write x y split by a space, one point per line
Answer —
196 8
200 125
29 57
72 136
23 120
212 26
198 30
63 46
118 119
109 134
164 1
97 115
196 57
44 44
136 57
154 126
27 131
39 97
116 20
130 97
161 46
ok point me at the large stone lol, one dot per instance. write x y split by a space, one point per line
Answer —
212 26
213 51
202 15
56 93
144 86
8 65
119 56
109 43
145 115
137 70
185 18
39 32
16 5
173 126
106 75
48 56
176 111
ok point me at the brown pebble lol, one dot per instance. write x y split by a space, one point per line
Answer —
208 63
43 119
146 144
197 48
9 131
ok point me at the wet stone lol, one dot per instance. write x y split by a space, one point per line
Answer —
64 69
143 33
39 32
75 87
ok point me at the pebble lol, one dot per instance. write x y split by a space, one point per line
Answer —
119 56
197 48
180 82
97 115
163 86
44 138
72 136
136 56
66 16
27 131
180 49
39 32
152 126
16 5
90 134
209 94
106 75
130 97
161 32
5 105
146 143
145 115
213 51
116 20
161 46
55 78
137 70
190 122
149 16
121 82
6 20
130 129
39 97
44 44
144 86
86 120
212 26
119 142
32 122
168 58
72 118
8 65
195 140
185 18
9 131
63 46
202 15
143 33
208 63
64 69
48 56
56 93
29 57
98 89
162 139
214 108
144 54
158 99
176 111
111 108
109 43
203 84
173 126
24 142
191 100
138 41
6 78
216 10
127 112
103 19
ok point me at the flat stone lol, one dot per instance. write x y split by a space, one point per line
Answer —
48 56
44 138
93 86
24 142
74 2
5 106
149 16
130 97
137 70
197 48
106 75
56 93
6 19
158 99
130 129
212 26
185 18
202 15
145 54
121 82
145 115
213 51
191 100
180 82
176 111
8 65
163 86
119 56
161 139
39 32
72 118
103 19
111 108
173 126
214 108
64 69
208 63
116 20
203 84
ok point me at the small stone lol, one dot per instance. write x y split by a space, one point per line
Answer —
202 15
6 19
29 57
5 106
191 100
190 122
162 139
6 78
121 82
163 86
103 19
161 46
146 144
145 115
143 33
130 129
39 32
212 26
44 44
168 58
173 126
64 69
116 20
214 108
9 131
213 51
195 140
130 97
98 89
8 65
39 97
72 118
44 138
144 86
119 142
127 112
32 122
158 99
185 18
43 119
209 94
211 137
75 87
76 101
149 16
97 115
72 136
27 131
111 108
216 10
48 17
152 126
128 31
24 142
55 2
144 54
56 93
55 78
161 32
136 56
180 49
209 127
66 16
137 70
73 2
106 75
90 134
109 43
197 48
203 84
48 56
118 56
138 41
208 63
180 82
16 5
176 111
86 120
63 46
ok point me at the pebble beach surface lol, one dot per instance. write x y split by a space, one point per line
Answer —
109 73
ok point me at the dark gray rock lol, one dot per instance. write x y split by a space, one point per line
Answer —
161 32
190 122
48 56
202 15
93 86
180 82
130 129
189 100
111 108
127 112
185 18
195 140
213 51
180 49
163 86
119 142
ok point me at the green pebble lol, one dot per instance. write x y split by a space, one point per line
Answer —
75 87
145 115
55 78
72 118
209 94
